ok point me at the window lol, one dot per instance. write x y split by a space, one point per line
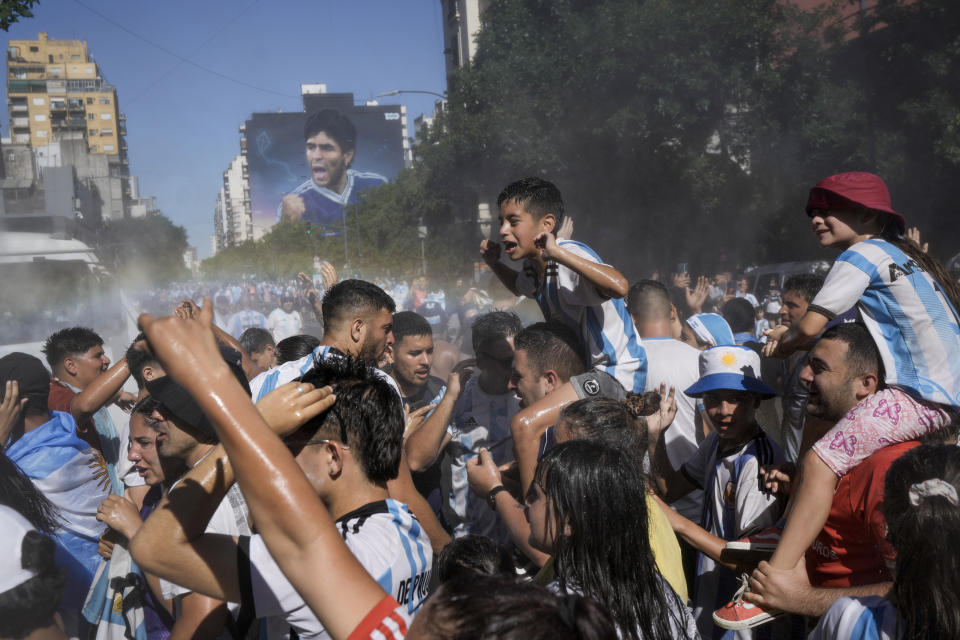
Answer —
41 133
106 132
40 117
75 56
106 116
91 116
14 52
50 58
93 148
34 49
75 69
93 132
108 147
39 101
104 100
89 100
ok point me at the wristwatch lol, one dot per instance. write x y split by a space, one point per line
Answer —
492 496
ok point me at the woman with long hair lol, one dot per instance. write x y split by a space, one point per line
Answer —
921 502
587 507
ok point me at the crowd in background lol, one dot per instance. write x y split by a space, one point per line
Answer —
552 451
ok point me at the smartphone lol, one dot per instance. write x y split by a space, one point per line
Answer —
682 267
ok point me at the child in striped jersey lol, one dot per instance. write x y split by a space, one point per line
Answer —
922 510
908 303
567 279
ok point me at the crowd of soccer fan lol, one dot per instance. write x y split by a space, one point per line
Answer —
641 461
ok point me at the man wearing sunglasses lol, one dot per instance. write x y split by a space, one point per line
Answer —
348 453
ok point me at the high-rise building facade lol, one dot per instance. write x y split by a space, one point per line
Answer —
58 100
232 222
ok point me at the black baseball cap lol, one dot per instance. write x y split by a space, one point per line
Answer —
31 376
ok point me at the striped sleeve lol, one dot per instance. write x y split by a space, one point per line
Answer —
386 621
574 288
844 285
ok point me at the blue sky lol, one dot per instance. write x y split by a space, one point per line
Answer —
182 122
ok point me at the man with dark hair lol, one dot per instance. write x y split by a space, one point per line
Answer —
547 355
358 322
261 347
675 364
331 141
349 453
475 411
185 434
83 384
852 555
412 359
143 364
798 292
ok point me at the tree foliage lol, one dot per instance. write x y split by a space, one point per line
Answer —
12 10
148 249
679 130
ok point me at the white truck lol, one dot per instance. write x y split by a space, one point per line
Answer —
49 283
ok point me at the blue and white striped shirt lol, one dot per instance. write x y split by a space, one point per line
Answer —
910 318
866 618
289 371
612 341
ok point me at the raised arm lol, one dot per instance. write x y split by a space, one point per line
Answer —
294 523
490 252
608 281
529 425
783 341
424 443
101 391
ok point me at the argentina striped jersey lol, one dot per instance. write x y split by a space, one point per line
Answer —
612 341
911 320
384 536
289 371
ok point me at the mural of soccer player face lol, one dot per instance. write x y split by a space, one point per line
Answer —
328 162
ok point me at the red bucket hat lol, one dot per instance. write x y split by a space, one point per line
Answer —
851 191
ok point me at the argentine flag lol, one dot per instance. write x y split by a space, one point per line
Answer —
75 479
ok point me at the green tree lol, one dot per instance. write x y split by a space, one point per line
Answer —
12 10
144 250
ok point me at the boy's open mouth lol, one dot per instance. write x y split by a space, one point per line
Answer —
509 246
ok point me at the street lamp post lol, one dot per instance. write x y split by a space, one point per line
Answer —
397 92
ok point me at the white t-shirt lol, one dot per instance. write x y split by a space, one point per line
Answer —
384 536
678 364
283 324
232 518
603 324
478 420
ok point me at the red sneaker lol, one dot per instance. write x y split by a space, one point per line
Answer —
752 549
740 614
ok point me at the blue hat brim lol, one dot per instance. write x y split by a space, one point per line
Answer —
729 382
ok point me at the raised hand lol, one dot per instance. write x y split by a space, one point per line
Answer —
461 373
10 409
913 235
490 251
773 341
483 474
414 418
120 514
547 244
658 422
698 295
292 207
329 274
565 232
291 405
186 347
